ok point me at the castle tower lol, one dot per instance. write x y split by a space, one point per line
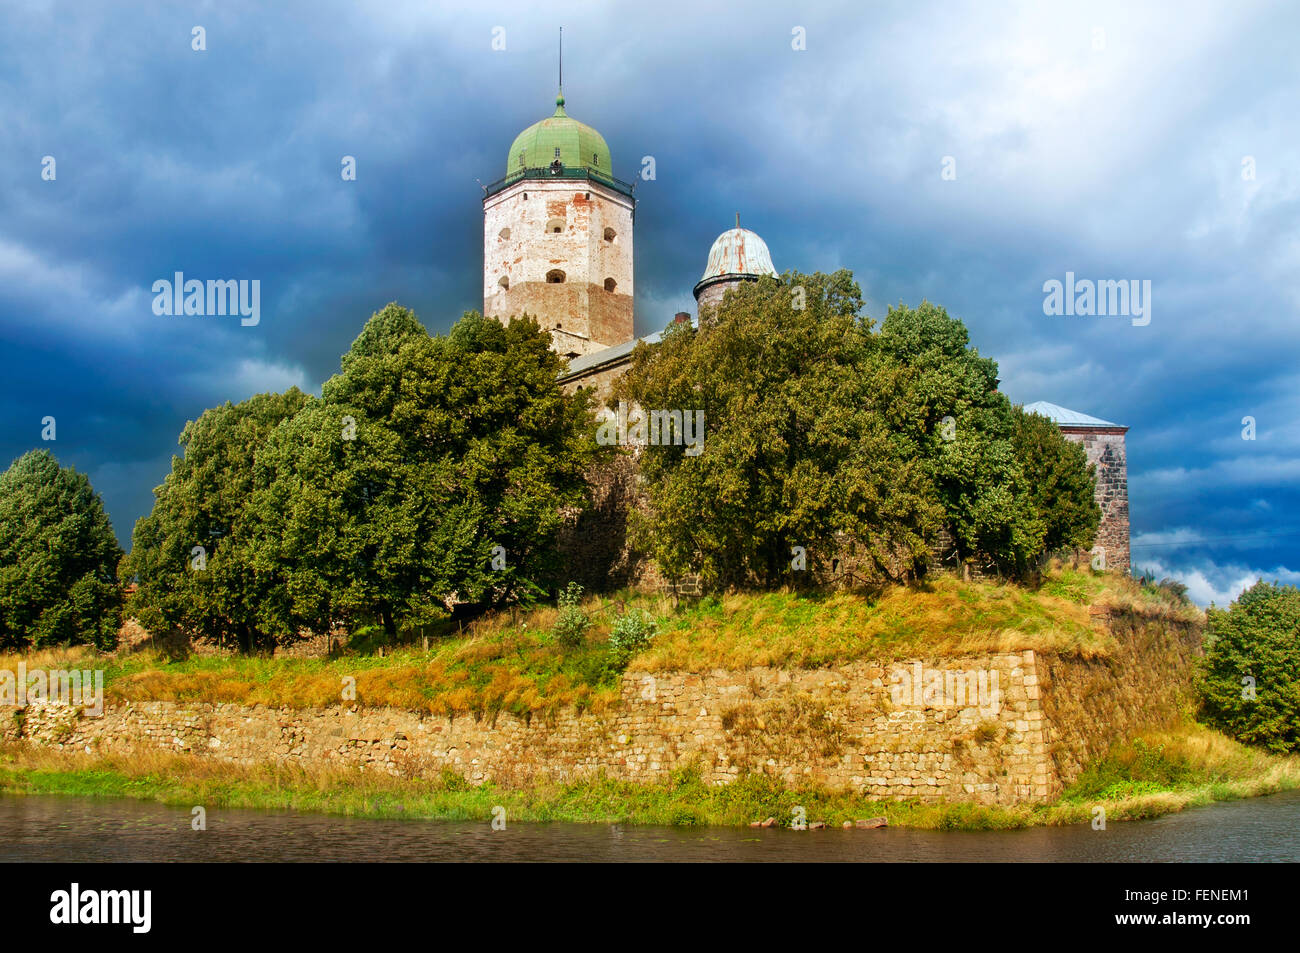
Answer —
737 255
1103 442
557 237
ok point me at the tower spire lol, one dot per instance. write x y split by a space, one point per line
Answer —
738 220
561 61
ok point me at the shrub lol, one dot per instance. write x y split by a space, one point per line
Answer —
1249 679
631 633
572 623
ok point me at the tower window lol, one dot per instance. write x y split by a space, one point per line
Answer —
555 225
609 234
595 159
504 282
610 284
557 152
504 233
555 277
521 160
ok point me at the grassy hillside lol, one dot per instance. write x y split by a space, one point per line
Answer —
513 662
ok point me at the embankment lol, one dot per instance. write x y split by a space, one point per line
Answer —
994 728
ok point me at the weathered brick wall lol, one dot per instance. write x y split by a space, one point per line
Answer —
712 295
841 727
518 247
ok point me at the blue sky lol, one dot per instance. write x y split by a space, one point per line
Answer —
1112 142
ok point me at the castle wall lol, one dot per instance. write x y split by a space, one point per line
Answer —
842 727
599 380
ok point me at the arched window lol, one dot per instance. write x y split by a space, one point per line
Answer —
555 277
609 234
595 159
504 233
555 225
610 284
504 282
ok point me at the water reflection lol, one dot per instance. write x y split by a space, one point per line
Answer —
83 829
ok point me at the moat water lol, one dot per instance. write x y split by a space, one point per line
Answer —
69 829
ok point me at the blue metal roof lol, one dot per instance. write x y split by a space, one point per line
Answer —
1063 416
585 362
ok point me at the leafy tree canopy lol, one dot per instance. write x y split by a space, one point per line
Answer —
1249 678
431 474
826 433
188 554
58 557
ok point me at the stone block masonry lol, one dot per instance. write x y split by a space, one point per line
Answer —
1104 447
841 727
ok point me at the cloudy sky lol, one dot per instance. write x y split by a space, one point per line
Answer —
1154 144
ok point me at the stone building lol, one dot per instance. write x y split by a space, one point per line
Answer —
557 237
557 245
737 255
1103 442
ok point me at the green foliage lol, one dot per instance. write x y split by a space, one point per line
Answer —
827 434
803 444
1166 590
58 558
206 501
1258 636
1061 483
572 623
631 632
1132 769
432 472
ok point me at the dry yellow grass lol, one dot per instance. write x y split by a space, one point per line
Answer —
940 617
510 661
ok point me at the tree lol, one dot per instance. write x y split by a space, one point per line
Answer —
429 476
1062 483
827 434
804 446
189 555
58 558
1249 678
966 431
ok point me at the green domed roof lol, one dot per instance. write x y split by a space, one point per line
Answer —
580 146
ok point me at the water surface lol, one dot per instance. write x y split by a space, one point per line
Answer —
72 829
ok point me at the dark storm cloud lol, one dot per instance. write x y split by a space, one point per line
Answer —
1090 138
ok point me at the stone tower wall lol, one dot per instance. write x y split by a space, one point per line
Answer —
1105 447
581 314
712 296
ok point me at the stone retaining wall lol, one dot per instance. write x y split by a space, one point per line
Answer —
853 726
